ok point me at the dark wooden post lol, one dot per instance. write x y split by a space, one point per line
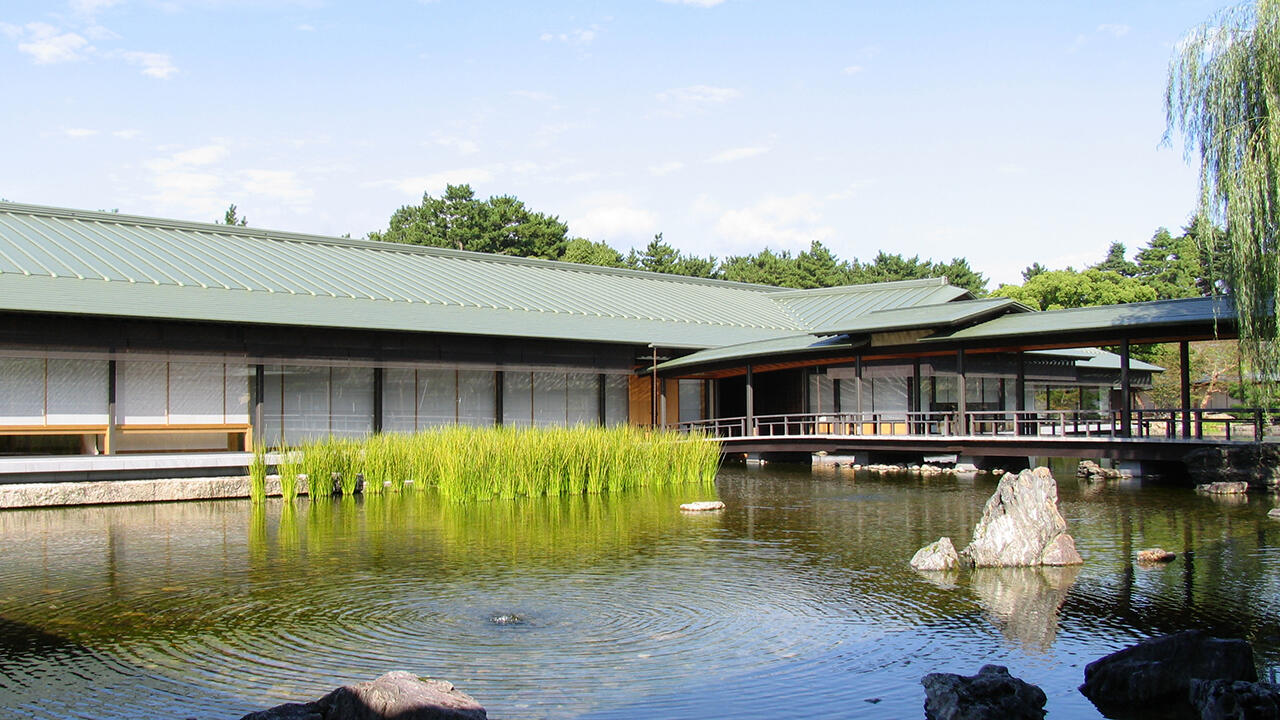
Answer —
1126 412
662 401
377 399
498 379
601 383
1184 373
914 403
1020 393
108 442
751 402
962 394
259 397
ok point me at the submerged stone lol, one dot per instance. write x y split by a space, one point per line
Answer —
702 506
1154 556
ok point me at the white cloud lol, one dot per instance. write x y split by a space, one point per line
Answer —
205 155
156 65
577 36
665 168
852 70
734 154
790 222
614 217
80 132
436 182
47 45
306 27
127 134
461 145
696 3
1113 29
699 95
276 184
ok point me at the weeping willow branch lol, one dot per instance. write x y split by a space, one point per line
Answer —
1223 97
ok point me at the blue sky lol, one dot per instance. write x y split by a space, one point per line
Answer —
1004 132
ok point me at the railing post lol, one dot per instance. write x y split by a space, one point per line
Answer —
1125 390
749 420
1184 372
1257 425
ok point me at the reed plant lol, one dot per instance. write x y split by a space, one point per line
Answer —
258 475
467 463
288 466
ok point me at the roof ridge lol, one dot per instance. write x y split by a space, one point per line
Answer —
373 245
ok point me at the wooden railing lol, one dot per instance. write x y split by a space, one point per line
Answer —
1235 425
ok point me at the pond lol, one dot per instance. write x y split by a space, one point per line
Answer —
796 600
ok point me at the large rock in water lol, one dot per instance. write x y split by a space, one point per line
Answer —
1021 525
1157 672
992 694
396 695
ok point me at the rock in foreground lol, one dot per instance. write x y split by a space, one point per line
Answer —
1021 525
938 555
992 694
1157 673
396 695
1235 700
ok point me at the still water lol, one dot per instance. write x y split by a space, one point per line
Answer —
797 600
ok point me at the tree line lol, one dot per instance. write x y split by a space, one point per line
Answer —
503 224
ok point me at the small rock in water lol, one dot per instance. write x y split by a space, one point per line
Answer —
939 555
1152 556
1274 513
508 619
393 695
1224 488
992 693
702 506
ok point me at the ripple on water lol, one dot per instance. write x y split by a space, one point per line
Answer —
584 609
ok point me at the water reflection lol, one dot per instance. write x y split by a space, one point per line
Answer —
1023 602
603 607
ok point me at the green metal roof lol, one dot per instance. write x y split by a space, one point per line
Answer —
924 316
1103 319
789 346
92 263
824 310
1097 359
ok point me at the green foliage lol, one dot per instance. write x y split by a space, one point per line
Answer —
660 257
1223 96
887 267
230 218
1213 367
502 224
1058 289
258 475
482 463
582 250
289 467
1033 270
457 219
1116 262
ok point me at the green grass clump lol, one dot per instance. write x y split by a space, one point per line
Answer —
258 475
481 463
289 466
